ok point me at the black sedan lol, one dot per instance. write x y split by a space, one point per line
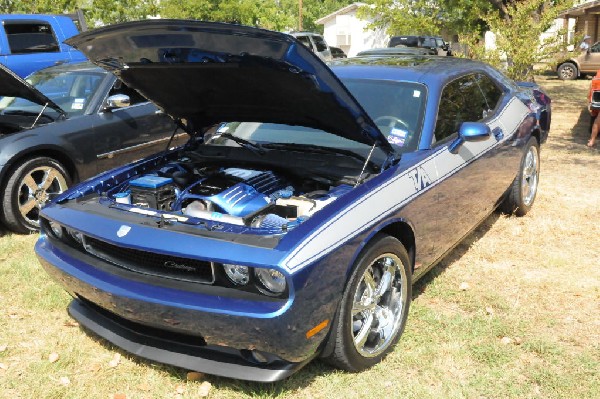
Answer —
66 124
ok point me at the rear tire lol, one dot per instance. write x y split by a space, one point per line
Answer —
374 307
30 185
523 190
567 71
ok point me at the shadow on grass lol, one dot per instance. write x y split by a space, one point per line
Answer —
301 379
455 254
570 97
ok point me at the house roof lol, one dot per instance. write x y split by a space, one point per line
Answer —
582 9
341 11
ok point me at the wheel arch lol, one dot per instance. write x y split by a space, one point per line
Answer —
51 152
571 61
401 229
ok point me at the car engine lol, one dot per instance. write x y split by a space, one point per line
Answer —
244 197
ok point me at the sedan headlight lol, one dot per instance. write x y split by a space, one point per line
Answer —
271 279
238 274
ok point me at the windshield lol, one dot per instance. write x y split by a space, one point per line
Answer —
397 109
70 90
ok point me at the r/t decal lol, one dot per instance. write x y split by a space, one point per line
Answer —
420 178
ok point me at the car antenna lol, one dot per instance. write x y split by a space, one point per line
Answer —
359 177
39 115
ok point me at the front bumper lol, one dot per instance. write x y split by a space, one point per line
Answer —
182 352
276 331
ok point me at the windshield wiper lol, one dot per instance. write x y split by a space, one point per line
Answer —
254 147
314 149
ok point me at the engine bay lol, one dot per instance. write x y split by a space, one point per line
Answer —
256 198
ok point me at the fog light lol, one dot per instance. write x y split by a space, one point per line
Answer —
56 229
271 279
238 274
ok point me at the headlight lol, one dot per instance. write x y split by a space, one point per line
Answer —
238 274
76 235
56 228
271 279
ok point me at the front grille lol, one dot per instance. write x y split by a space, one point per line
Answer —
151 263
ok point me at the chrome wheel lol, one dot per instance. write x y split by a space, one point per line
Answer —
529 179
36 188
377 308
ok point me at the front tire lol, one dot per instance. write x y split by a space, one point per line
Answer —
30 185
567 71
374 306
523 190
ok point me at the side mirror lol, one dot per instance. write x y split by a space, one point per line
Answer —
470 131
117 101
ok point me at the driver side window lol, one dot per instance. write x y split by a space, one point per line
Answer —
595 48
462 100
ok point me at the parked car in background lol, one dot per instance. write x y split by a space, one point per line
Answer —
67 124
586 62
30 42
337 52
298 227
398 50
314 42
434 43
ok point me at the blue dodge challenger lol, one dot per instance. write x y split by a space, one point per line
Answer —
306 203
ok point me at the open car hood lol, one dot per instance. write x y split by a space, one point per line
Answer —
204 73
12 85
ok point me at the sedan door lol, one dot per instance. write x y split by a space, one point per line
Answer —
124 135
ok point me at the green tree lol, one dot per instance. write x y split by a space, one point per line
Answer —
426 17
279 15
38 6
517 24
518 49
105 12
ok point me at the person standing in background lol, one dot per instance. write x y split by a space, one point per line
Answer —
586 43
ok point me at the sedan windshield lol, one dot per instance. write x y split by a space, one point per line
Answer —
70 90
397 108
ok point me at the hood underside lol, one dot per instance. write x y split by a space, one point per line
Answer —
11 85
207 73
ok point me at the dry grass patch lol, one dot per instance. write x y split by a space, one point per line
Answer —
525 325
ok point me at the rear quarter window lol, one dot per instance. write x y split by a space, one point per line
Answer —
30 37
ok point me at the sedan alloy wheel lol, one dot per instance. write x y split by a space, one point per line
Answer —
32 184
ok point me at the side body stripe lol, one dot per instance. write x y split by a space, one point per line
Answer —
389 197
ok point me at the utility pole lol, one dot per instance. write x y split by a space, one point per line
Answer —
300 15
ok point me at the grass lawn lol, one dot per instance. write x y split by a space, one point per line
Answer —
525 325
